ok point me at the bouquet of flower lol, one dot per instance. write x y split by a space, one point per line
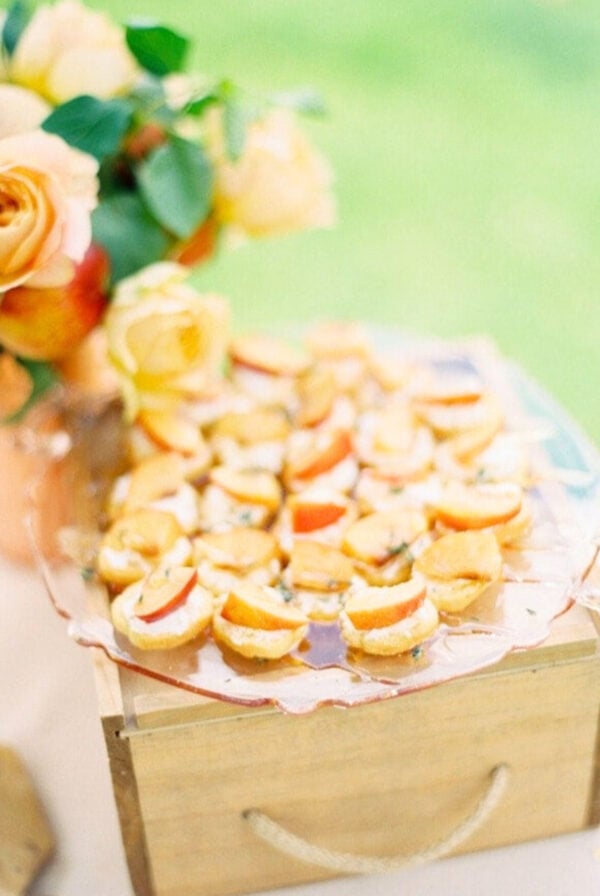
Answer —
119 171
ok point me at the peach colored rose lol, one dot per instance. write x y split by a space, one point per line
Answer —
279 185
20 110
165 339
47 324
47 193
67 50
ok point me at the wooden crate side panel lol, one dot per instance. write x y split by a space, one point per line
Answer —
128 806
594 800
379 779
118 748
594 803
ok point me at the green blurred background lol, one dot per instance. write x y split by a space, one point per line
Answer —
465 140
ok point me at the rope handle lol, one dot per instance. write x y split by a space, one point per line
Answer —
350 863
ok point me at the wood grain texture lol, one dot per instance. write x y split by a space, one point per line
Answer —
26 841
379 779
594 802
124 777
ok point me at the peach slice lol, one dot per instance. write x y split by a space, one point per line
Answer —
317 393
241 548
447 420
189 618
327 451
337 339
394 429
420 621
412 464
319 567
140 447
171 431
477 506
250 606
449 390
260 425
153 478
391 373
380 607
164 591
149 532
251 486
379 536
309 513
468 444
268 355
462 555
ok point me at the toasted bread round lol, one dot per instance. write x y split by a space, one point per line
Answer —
181 625
459 567
137 543
258 622
515 529
455 595
393 639
255 642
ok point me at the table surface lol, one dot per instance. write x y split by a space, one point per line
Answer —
49 714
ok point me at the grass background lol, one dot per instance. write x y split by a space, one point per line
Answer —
465 140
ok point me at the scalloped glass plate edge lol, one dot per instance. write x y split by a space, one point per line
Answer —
292 686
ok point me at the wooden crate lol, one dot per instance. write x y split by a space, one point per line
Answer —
378 779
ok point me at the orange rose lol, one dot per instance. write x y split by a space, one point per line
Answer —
67 50
47 193
166 340
279 185
47 324
20 110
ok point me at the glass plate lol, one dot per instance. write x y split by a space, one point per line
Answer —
555 568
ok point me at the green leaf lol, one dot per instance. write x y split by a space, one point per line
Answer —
304 100
176 185
148 95
17 16
198 104
150 102
114 176
132 238
90 124
43 376
234 123
157 49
